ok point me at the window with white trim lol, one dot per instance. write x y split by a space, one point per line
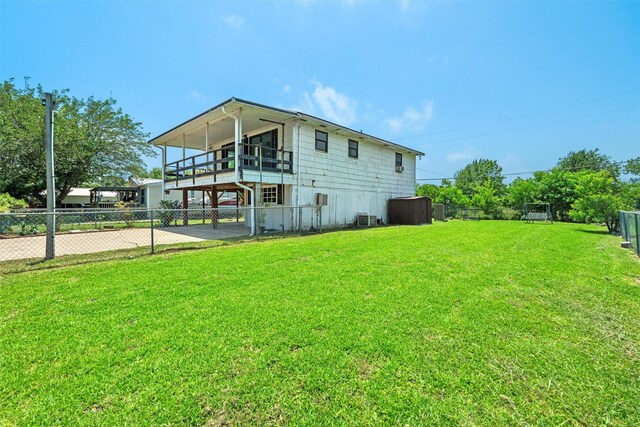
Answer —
270 195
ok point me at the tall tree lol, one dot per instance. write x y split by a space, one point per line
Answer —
632 167
558 188
522 191
588 160
486 199
93 139
429 190
598 199
475 175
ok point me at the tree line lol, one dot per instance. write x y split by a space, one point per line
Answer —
584 186
95 143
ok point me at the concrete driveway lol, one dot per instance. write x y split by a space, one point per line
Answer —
101 241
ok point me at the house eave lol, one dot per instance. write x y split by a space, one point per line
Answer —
288 114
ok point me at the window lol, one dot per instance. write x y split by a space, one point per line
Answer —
228 156
269 195
398 159
269 143
353 149
273 194
322 139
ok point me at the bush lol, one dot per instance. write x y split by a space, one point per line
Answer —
168 215
7 203
27 229
127 215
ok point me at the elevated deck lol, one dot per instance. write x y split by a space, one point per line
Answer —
257 163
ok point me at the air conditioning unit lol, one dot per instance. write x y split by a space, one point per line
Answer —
321 199
399 168
366 220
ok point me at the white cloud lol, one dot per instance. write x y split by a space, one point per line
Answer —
234 20
468 153
411 118
329 104
404 4
286 89
194 95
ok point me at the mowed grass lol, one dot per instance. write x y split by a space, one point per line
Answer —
459 323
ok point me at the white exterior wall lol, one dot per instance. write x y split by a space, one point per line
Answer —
154 195
362 185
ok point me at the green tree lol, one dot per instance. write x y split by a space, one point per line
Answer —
155 173
487 199
522 191
93 139
632 167
598 199
452 196
558 188
429 190
588 160
474 175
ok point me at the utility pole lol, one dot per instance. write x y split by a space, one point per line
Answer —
49 103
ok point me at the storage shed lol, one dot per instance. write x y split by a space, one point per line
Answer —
410 210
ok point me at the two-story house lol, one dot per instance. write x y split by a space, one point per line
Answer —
276 157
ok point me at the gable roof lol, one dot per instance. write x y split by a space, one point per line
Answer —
287 114
142 181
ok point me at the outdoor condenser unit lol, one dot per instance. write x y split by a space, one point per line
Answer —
366 220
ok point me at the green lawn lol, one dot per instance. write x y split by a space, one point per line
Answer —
460 323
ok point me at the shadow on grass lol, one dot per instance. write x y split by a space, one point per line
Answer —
599 232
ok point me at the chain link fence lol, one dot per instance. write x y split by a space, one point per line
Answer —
471 212
630 230
23 233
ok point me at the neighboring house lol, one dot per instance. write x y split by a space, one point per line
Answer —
277 157
81 198
150 192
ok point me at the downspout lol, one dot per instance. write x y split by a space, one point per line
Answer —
299 125
236 177
164 162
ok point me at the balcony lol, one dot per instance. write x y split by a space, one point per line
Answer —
222 161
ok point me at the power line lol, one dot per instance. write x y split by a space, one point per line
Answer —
527 127
516 173
519 117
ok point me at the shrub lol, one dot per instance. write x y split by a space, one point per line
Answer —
167 212
26 229
7 203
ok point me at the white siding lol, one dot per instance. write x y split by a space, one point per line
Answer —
154 195
353 186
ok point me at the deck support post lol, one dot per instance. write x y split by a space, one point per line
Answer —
185 206
215 215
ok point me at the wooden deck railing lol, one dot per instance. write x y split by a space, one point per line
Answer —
220 161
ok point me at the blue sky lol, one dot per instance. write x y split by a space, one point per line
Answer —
519 82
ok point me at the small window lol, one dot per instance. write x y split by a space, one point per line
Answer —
269 195
398 159
353 149
322 139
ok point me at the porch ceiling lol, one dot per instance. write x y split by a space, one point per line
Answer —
221 127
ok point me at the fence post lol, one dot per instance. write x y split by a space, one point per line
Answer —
50 243
153 247
637 235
